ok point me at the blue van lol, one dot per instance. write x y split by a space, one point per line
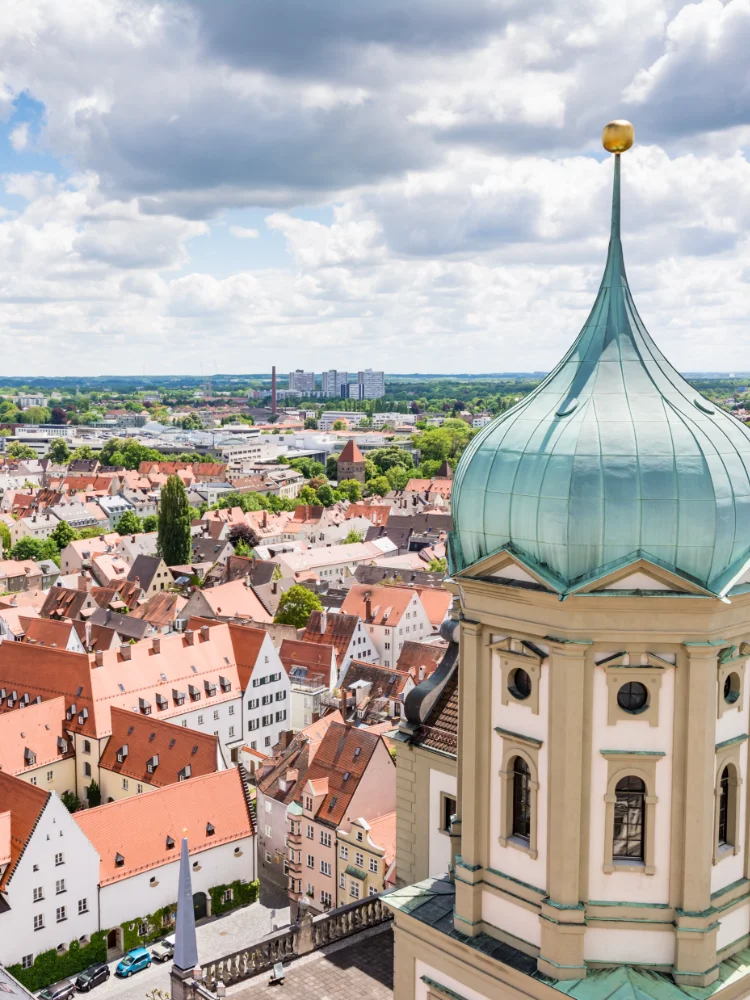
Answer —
135 960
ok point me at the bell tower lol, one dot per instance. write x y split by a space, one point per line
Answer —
601 561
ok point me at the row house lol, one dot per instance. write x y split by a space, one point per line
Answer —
311 668
373 693
391 615
353 775
279 779
366 857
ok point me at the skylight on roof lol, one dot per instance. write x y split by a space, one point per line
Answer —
163 677
194 669
121 687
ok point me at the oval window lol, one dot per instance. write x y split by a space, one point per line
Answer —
731 689
632 697
520 684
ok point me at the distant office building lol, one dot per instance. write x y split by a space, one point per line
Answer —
301 382
335 383
370 385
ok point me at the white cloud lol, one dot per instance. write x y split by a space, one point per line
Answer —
243 233
19 137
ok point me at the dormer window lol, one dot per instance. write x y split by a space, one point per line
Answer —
179 697
152 763
210 829
29 757
170 843
225 683
185 773
194 692
144 706
210 688
161 702
122 753
119 860
82 716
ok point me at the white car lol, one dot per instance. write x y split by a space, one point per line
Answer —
163 950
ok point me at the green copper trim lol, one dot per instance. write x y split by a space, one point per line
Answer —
518 736
728 888
731 742
569 642
617 902
355 872
443 989
460 863
707 642
634 753
518 881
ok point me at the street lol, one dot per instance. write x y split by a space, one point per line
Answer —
216 937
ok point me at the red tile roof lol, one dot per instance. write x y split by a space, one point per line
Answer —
316 657
38 728
47 632
337 760
331 629
387 603
137 828
436 603
414 655
25 802
147 737
351 452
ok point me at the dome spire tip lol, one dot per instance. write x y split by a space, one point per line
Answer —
618 136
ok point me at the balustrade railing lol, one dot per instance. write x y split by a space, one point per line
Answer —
294 941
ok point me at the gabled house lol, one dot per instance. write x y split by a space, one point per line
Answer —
344 632
49 632
48 874
79 552
373 693
34 745
391 615
138 843
151 574
312 672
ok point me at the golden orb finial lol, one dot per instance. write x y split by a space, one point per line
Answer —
617 136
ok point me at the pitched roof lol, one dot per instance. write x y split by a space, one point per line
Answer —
331 629
387 603
137 828
351 452
234 599
316 658
64 603
147 737
440 729
160 609
383 833
342 758
126 590
436 603
144 569
25 802
378 513
39 729
293 762
414 655
47 632
385 682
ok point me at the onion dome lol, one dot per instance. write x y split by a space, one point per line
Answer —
614 457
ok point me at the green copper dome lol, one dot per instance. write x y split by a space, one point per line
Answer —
613 457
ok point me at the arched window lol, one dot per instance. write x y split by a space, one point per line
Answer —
629 827
724 808
521 799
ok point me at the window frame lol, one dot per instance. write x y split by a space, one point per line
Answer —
527 748
510 656
728 758
620 671
639 764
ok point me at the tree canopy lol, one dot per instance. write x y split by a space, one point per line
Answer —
129 524
296 605
174 541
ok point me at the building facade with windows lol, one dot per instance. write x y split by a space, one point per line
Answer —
602 561
365 857
48 874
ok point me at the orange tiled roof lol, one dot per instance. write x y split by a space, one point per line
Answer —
234 599
147 737
337 760
387 603
47 632
316 657
246 644
414 655
331 629
351 452
137 828
383 833
436 603
25 802
378 513
38 728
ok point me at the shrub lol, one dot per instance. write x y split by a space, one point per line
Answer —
242 894
51 966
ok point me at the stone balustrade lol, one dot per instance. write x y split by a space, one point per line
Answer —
291 942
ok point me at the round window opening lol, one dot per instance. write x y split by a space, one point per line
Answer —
520 684
731 688
632 697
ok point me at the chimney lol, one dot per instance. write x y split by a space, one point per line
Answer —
205 630
84 581
323 622
342 701
265 518
99 658
190 636
285 738
156 644
368 605
275 587
88 636
273 389
421 673
125 651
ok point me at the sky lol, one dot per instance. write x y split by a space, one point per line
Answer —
190 187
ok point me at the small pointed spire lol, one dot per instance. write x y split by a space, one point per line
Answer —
185 944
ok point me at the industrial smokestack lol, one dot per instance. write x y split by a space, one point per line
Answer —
273 389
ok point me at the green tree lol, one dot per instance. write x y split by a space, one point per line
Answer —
150 522
85 453
89 532
34 548
308 467
398 477
332 469
311 424
94 794
353 536
5 545
129 524
63 535
59 451
174 541
18 451
70 800
36 415
438 565
307 495
386 458
379 485
296 605
350 490
325 495
192 422
339 425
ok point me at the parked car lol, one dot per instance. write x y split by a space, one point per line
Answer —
91 977
164 949
59 991
135 960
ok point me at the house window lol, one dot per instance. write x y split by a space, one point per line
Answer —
32 780
183 722
231 709
269 831
354 890
344 853
83 906
342 881
325 838
267 741
630 802
200 720
521 799
374 866
632 697
231 731
216 713
448 812
310 832
372 891
27 961
359 859
38 893
125 784
268 859
325 868
60 914
310 861
308 803
38 921
87 769
227 896
139 789
86 746
59 886
59 860
325 898
360 836
50 776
